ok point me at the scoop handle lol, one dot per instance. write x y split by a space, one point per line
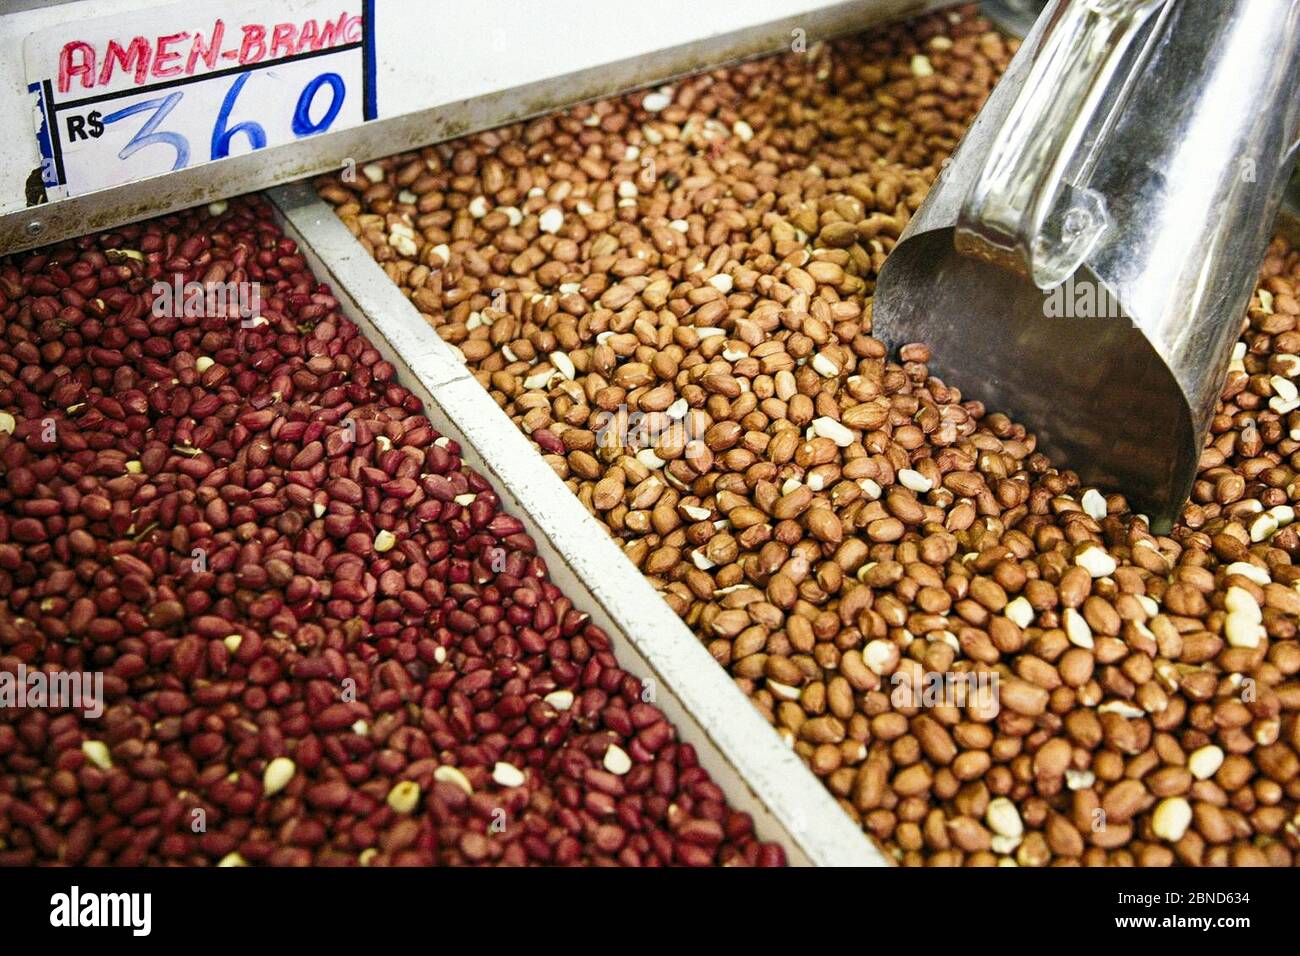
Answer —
1020 213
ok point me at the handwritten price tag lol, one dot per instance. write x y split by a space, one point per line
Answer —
127 97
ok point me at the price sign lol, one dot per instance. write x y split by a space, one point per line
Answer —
126 97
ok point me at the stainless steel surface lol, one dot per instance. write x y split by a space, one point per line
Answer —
1288 220
1013 16
1190 149
758 772
1019 212
453 116
1291 199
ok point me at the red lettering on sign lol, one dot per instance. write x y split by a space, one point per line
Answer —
351 28
76 59
282 39
309 38
137 52
254 46
162 55
333 32
208 54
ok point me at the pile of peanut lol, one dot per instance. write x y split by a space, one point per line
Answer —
319 639
670 292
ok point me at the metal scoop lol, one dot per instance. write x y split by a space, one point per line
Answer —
1084 262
